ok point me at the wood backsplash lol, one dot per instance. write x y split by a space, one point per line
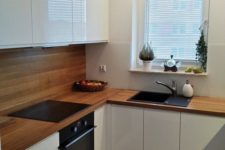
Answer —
35 74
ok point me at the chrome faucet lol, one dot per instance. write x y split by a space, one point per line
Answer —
172 88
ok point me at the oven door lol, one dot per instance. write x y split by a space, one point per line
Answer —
83 142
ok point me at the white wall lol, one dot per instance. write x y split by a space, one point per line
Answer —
116 55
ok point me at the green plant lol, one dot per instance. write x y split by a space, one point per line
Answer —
146 53
201 52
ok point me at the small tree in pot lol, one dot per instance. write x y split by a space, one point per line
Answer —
146 55
201 52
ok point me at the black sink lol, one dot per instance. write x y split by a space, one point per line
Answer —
161 98
151 97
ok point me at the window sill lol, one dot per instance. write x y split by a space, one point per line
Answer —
160 71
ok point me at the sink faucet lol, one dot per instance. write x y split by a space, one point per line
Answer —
172 88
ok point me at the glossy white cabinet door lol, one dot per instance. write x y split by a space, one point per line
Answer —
161 130
199 132
126 128
15 23
79 21
100 131
90 21
52 21
50 143
97 20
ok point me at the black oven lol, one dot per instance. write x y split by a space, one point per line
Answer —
79 135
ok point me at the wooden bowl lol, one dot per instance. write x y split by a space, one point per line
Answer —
90 85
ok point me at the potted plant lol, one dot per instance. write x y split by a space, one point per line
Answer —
146 55
201 52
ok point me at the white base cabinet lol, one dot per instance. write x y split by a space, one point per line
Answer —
161 130
100 120
200 132
126 128
49 143
131 128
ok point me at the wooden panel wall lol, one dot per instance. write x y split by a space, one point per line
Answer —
28 75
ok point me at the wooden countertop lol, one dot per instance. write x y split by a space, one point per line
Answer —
19 134
23 133
200 105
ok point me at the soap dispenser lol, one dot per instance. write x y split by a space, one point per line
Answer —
188 89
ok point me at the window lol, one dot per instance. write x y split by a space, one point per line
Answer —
172 26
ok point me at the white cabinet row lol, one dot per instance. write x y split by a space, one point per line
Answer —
52 22
143 129
149 129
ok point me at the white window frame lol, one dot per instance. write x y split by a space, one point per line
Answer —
138 18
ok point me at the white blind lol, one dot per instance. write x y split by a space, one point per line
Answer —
172 26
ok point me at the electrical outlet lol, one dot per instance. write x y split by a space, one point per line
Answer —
102 68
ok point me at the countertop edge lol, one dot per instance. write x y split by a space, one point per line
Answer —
168 108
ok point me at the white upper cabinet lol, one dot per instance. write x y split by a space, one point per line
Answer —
79 21
97 20
15 23
90 21
161 130
52 21
200 132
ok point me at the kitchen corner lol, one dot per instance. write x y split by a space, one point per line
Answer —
112 75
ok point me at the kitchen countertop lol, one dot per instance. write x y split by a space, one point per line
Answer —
19 134
23 133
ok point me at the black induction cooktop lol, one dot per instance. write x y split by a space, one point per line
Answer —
50 110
